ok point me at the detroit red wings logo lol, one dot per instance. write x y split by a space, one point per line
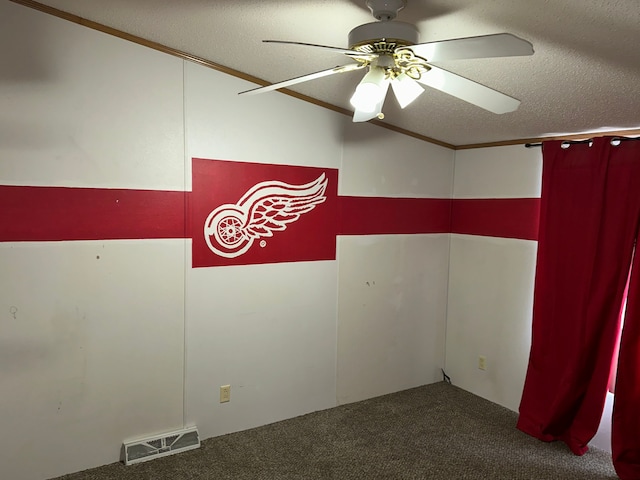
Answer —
267 207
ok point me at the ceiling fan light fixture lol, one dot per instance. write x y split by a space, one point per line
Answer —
392 52
370 91
406 89
361 116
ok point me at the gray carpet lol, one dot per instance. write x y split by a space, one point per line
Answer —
432 432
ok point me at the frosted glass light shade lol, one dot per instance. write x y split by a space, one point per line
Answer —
370 91
362 116
406 89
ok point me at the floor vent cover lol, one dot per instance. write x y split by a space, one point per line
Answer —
158 446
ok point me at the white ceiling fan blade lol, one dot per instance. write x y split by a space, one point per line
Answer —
469 91
346 51
485 46
304 78
406 89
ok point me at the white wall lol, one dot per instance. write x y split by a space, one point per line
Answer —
392 310
392 297
491 280
96 352
77 109
490 305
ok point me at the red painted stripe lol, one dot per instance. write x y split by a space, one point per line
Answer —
497 217
376 215
58 213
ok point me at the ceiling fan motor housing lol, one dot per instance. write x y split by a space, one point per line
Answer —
385 9
397 32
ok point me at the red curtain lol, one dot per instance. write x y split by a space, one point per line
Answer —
590 211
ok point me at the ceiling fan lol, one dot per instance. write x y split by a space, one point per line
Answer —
391 53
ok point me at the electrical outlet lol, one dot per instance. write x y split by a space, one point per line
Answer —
225 393
482 362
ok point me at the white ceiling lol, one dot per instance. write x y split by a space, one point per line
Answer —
583 77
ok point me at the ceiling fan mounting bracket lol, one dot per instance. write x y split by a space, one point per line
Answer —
385 10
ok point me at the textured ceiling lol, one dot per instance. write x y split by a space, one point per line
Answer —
583 77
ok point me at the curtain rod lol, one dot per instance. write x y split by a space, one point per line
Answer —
588 140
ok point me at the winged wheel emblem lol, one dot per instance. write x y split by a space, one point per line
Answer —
267 207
